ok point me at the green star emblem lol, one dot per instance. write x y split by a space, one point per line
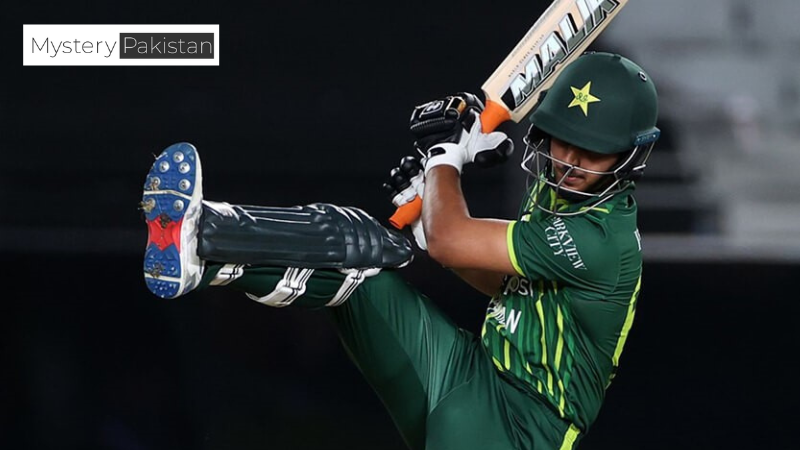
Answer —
583 97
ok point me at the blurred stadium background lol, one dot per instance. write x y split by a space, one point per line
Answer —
310 103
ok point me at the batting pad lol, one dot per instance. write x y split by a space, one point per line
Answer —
314 236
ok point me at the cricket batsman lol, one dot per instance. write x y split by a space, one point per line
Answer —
563 278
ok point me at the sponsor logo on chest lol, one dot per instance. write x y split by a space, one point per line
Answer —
507 317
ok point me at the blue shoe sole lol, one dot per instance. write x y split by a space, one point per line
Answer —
172 191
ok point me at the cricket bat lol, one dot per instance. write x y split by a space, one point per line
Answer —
559 36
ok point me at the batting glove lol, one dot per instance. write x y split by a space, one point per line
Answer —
472 146
448 131
406 184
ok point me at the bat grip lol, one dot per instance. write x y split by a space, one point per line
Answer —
493 115
407 213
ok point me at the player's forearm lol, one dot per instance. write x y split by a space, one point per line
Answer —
455 239
444 211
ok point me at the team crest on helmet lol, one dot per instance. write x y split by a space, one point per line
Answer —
583 97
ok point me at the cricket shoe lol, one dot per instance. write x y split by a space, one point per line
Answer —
172 204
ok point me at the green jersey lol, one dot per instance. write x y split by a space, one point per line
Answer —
558 328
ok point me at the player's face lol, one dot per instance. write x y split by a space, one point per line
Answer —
579 179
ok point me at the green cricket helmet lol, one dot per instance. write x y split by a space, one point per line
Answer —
603 103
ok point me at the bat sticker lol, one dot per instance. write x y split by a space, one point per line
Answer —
572 30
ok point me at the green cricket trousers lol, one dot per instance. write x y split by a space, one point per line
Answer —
435 379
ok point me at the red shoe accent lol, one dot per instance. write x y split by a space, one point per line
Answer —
164 233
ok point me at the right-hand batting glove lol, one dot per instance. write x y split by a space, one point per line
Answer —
406 183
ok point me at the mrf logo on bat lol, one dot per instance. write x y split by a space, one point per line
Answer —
584 17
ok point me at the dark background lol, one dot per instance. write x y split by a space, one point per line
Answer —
310 103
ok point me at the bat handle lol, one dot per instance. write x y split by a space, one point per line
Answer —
407 213
492 116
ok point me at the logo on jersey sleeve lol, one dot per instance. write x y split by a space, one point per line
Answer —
562 244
